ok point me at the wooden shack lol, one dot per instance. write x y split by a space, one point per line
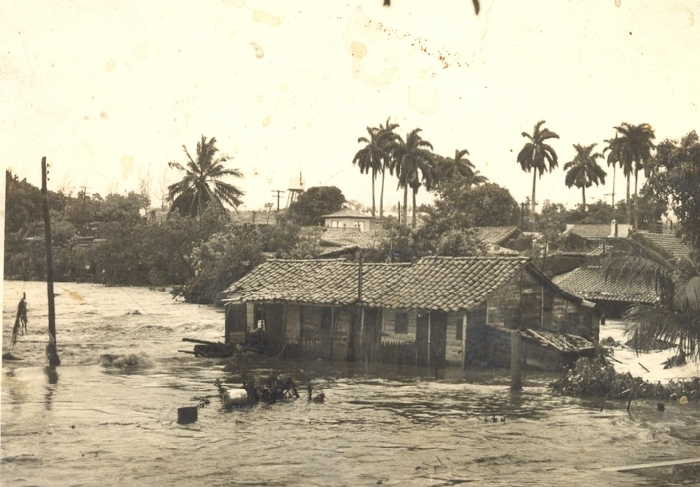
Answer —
439 311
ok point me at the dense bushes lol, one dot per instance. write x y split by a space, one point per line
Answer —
596 377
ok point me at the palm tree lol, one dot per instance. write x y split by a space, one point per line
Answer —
457 167
369 158
385 140
412 162
583 171
374 158
202 184
636 145
613 160
619 155
537 156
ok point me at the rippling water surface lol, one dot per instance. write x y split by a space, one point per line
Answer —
87 424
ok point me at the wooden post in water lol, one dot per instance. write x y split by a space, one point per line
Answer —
516 382
51 350
430 348
464 341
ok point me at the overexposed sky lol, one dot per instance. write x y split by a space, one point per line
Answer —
109 91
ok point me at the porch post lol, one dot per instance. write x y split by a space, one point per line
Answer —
430 348
464 341
363 351
515 359
332 332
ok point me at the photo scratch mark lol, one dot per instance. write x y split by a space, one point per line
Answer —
259 52
264 17
446 58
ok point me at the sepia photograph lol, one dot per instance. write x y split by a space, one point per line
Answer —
350 243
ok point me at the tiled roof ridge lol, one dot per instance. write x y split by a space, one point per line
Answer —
466 258
337 260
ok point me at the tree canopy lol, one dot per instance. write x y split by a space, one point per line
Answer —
315 202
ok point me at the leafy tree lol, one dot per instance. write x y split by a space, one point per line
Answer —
583 171
412 161
315 202
202 184
459 243
222 259
538 156
458 207
676 178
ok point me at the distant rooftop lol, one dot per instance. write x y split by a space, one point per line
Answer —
668 243
496 235
348 213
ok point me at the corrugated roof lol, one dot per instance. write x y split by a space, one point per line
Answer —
590 283
437 283
495 235
668 243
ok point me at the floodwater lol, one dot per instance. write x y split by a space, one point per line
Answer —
87 424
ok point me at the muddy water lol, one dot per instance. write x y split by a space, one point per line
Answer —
86 424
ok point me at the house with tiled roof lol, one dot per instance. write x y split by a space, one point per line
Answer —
613 295
347 218
668 245
497 235
598 231
336 242
437 311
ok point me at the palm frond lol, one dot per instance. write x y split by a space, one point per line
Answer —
649 325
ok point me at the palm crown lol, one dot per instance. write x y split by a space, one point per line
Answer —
202 183
413 165
536 155
583 171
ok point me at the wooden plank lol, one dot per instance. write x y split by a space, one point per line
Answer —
669 463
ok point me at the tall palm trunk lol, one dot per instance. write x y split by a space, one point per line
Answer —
627 201
534 184
583 190
405 204
413 216
636 210
374 206
613 190
381 198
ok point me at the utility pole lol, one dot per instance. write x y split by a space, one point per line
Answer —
278 193
51 350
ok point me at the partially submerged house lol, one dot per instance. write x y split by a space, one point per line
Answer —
438 311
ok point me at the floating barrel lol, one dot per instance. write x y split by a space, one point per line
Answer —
187 415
